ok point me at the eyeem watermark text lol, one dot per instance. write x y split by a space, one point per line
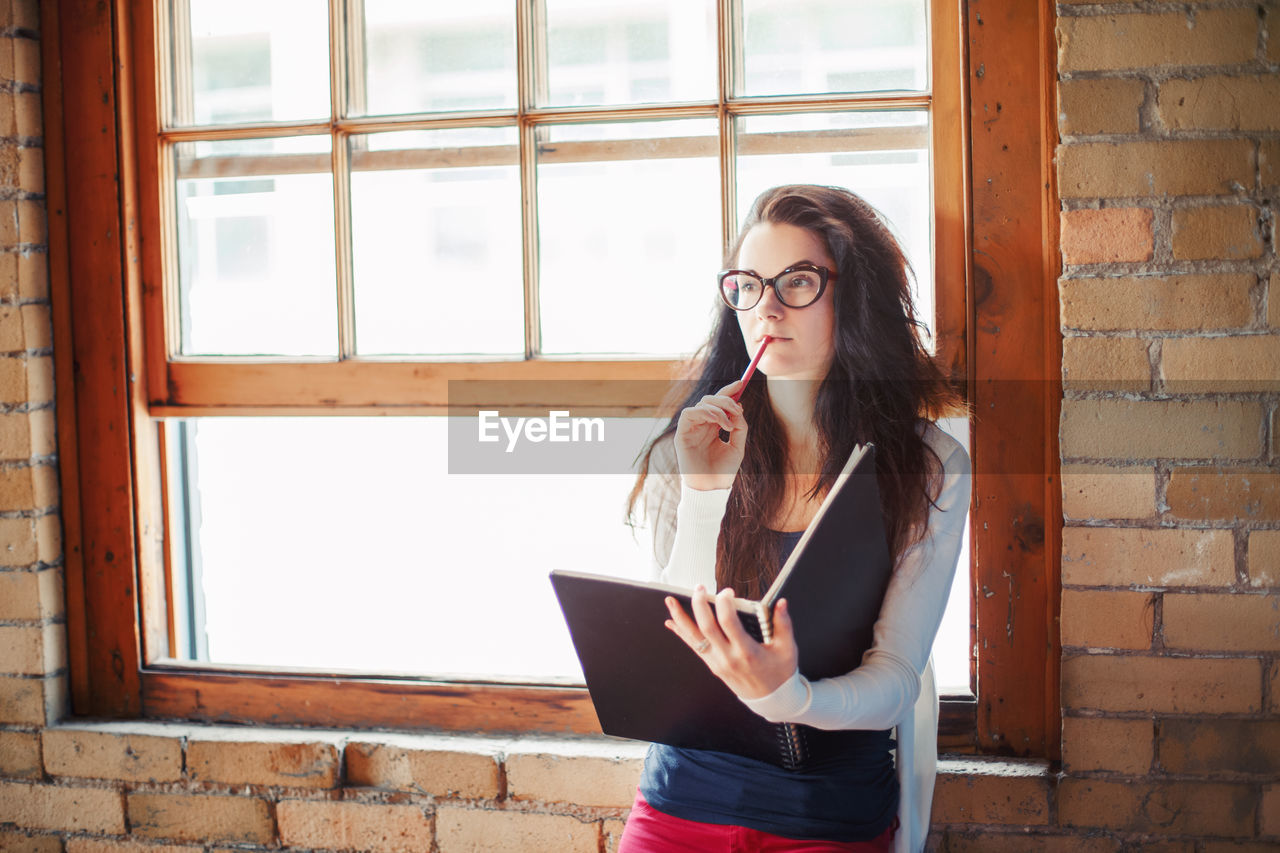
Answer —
558 426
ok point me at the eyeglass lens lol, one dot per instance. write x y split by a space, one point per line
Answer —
794 289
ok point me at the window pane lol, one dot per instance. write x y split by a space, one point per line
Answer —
346 543
629 234
255 247
436 242
422 57
627 52
812 46
432 572
881 156
251 61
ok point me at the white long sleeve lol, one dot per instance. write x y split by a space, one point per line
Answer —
879 692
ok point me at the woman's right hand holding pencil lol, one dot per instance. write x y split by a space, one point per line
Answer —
705 461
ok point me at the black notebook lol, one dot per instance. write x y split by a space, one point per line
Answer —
647 684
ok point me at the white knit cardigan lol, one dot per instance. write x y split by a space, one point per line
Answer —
894 685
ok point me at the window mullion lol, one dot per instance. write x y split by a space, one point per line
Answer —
725 83
177 94
531 88
340 160
356 91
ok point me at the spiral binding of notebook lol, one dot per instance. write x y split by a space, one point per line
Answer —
790 737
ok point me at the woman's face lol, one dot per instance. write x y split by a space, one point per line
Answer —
803 343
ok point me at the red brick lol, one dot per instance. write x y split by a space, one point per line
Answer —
32 649
1220 747
1162 684
611 832
31 701
18 842
33 275
1269 157
1226 232
63 809
1117 556
28 487
1234 622
17 541
269 761
1107 105
1168 40
354 826
37 326
20 756
1237 363
1270 16
8 123
1270 811
1098 743
6 59
1016 840
1172 429
24 435
48 538
111 845
1107 236
1249 102
26 379
483 831
1105 491
1106 364
31 170
1250 494
1264 558
112 752
1169 808
197 817
26 61
1274 450
11 338
580 772
28 114
1273 689
1151 169
1212 846
988 791
20 597
1159 304
1105 619
1151 846
8 260
32 224
8 212
426 764
1273 298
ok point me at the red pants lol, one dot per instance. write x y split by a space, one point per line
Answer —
651 831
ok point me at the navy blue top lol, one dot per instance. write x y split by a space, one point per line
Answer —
852 796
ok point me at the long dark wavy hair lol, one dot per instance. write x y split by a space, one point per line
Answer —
881 385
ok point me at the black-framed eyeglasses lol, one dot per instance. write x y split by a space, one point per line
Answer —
797 286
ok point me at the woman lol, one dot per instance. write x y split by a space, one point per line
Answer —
815 270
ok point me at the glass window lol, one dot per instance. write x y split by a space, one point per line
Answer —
441 198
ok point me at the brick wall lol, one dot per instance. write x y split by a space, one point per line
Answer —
32 648
1170 117
1170 301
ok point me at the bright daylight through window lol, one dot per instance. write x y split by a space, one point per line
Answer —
398 181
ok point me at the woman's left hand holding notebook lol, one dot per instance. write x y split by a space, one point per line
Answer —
749 668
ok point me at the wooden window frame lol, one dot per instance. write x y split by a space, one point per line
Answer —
996 255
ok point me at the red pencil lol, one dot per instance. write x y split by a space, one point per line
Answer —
751 368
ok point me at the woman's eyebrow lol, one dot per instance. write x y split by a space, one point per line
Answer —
787 267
